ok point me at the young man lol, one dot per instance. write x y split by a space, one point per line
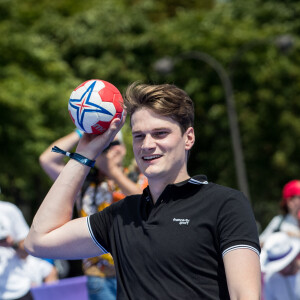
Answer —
183 238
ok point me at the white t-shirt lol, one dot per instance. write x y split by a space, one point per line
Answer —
278 287
38 269
289 224
14 281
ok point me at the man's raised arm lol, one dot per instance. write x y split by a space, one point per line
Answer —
53 234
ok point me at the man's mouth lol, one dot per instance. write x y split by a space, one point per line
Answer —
151 157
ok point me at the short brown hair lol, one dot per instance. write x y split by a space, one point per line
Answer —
164 99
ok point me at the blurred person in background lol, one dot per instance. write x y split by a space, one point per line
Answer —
289 220
40 271
14 281
16 270
281 267
107 183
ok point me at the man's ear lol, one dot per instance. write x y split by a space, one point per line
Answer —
190 138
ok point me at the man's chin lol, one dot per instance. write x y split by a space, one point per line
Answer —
153 174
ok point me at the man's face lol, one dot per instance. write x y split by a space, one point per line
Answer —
159 147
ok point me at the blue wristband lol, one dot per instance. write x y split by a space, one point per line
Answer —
80 158
79 132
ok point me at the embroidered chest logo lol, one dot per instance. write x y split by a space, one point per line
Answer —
181 221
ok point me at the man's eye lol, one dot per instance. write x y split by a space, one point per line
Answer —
160 134
138 137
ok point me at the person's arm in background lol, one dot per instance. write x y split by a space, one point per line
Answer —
111 164
52 163
271 227
20 249
52 276
18 246
242 267
48 271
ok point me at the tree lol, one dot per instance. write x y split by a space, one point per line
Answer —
243 39
55 45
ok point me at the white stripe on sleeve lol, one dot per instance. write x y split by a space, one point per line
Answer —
240 247
92 235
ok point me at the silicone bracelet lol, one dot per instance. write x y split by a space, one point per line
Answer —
80 158
79 132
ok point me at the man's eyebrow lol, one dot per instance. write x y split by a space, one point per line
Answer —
154 129
136 132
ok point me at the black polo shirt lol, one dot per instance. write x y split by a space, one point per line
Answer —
173 249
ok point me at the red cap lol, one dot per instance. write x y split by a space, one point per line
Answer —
291 189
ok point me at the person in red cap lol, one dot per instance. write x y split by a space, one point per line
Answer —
289 220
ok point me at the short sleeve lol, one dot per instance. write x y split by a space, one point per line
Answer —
100 225
236 224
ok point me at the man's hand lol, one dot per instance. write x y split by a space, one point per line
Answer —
92 145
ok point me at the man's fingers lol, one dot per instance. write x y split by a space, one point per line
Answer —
115 127
118 123
97 143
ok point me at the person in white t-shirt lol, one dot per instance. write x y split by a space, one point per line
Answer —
288 221
14 284
281 268
15 279
40 271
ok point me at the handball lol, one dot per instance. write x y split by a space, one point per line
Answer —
94 104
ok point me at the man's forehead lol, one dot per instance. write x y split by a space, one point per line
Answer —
146 116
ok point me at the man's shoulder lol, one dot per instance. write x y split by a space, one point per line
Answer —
221 198
211 186
222 191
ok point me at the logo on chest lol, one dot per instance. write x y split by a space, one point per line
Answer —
181 221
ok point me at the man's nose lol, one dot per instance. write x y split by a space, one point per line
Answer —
148 142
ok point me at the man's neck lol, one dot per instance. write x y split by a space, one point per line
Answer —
157 186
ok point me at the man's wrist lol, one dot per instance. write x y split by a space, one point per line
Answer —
76 156
79 132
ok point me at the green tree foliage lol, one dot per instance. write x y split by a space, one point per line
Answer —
49 47
265 77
